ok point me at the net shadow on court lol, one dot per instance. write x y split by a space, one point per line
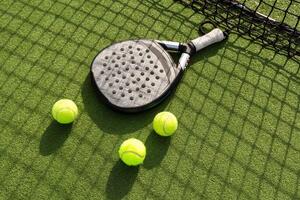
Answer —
237 107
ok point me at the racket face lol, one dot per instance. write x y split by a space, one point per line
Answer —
134 75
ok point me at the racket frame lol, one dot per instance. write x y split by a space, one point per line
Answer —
166 45
186 50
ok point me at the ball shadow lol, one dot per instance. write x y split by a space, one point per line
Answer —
112 121
157 147
54 137
120 180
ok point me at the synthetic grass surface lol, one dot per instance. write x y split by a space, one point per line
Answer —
237 106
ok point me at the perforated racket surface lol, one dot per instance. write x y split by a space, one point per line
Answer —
137 74
133 74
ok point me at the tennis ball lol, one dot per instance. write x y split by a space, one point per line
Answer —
165 124
132 152
64 111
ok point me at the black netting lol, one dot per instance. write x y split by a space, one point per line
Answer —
275 23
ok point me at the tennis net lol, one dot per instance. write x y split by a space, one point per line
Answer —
274 23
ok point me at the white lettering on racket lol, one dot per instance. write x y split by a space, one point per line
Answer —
183 61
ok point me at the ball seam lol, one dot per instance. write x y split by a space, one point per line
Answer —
131 152
165 132
69 108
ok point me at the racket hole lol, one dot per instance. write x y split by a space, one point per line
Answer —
149 91
106 78
122 95
147 68
147 50
142 73
122 49
132 75
148 56
143 85
142 61
138 49
102 72
109 68
113 75
119 72
127 68
134 82
155 66
137 68
133 62
157 77
110 84
124 55
129 91
119 57
127 84
138 79
152 72
137 89
120 88
152 84
113 61
113 53
123 63
114 92
104 64
130 47
131 52
116 65
123 77
106 57
117 80
147 79
161 71
151 61
140 95
131 98
140 54
132 57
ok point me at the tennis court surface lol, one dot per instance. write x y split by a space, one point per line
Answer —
237 107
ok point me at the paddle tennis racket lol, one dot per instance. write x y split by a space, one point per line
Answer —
135 75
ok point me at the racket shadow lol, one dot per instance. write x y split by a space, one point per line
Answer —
112 121
54 137
208 52
120 181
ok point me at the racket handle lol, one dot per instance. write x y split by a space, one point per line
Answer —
216 35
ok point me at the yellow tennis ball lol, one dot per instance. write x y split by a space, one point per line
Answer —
64 111
165 124
132 152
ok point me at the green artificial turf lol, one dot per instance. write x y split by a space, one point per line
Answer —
237 107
